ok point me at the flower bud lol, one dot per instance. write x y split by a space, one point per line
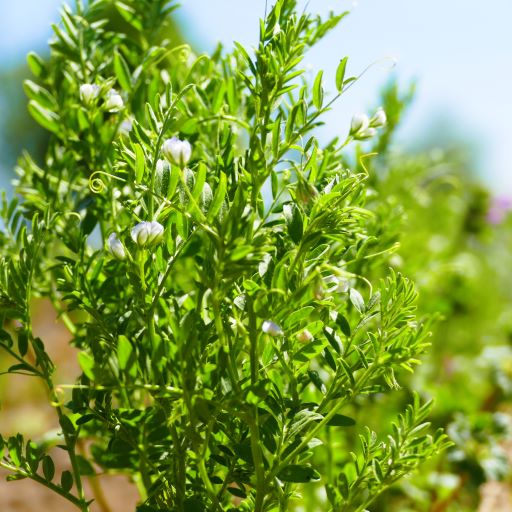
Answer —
89 92
113 102
359 122
368 133
116 247
146 234
126 127
269 327
177 151
304 336
379 119
163 173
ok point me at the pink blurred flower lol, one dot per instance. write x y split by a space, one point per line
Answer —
500 206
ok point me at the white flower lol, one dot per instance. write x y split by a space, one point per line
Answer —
145 234
304 336
337 284
368 133
114 102
271 328
177 151
379 119
126 127
89 92
116 247
359 122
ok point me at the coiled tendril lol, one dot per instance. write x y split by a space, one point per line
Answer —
97 185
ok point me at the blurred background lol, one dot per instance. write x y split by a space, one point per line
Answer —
448 159
457 52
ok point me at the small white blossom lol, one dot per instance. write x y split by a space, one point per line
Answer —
269 327
89 92
116 247
177 151
304 336
337 284
359 122
378 119
126 127
113 102
366 134
146 233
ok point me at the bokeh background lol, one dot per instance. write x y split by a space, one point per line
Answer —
457 132
457 52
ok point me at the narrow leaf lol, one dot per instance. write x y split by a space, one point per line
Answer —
340 73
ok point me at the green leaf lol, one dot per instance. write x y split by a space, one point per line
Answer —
298 316
129 14
85 418
22 343
343 324
338 420
340 73
66 480
35 64
39 95
318 91
357 300
218 197
122 71
332 341
84 466
329 358
200 180
5 339
124 351
235 491
309 351
46 118
20 367
295 225
140 163
67 425
14 446
298 473
86 363
48 468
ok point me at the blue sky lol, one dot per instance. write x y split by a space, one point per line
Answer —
460 52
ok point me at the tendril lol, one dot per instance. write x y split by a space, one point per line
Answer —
364 157
97 185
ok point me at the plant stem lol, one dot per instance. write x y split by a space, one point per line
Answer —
55 488
254 423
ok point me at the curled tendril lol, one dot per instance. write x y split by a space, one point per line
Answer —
184 53
72 214
96 184
362 158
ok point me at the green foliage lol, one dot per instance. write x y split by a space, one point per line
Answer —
228 292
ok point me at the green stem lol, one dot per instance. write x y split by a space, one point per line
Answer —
258 461
254 423
70 442
224 342
319 426
142 271
208 484
55 488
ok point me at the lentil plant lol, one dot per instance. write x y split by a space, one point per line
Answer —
214 264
